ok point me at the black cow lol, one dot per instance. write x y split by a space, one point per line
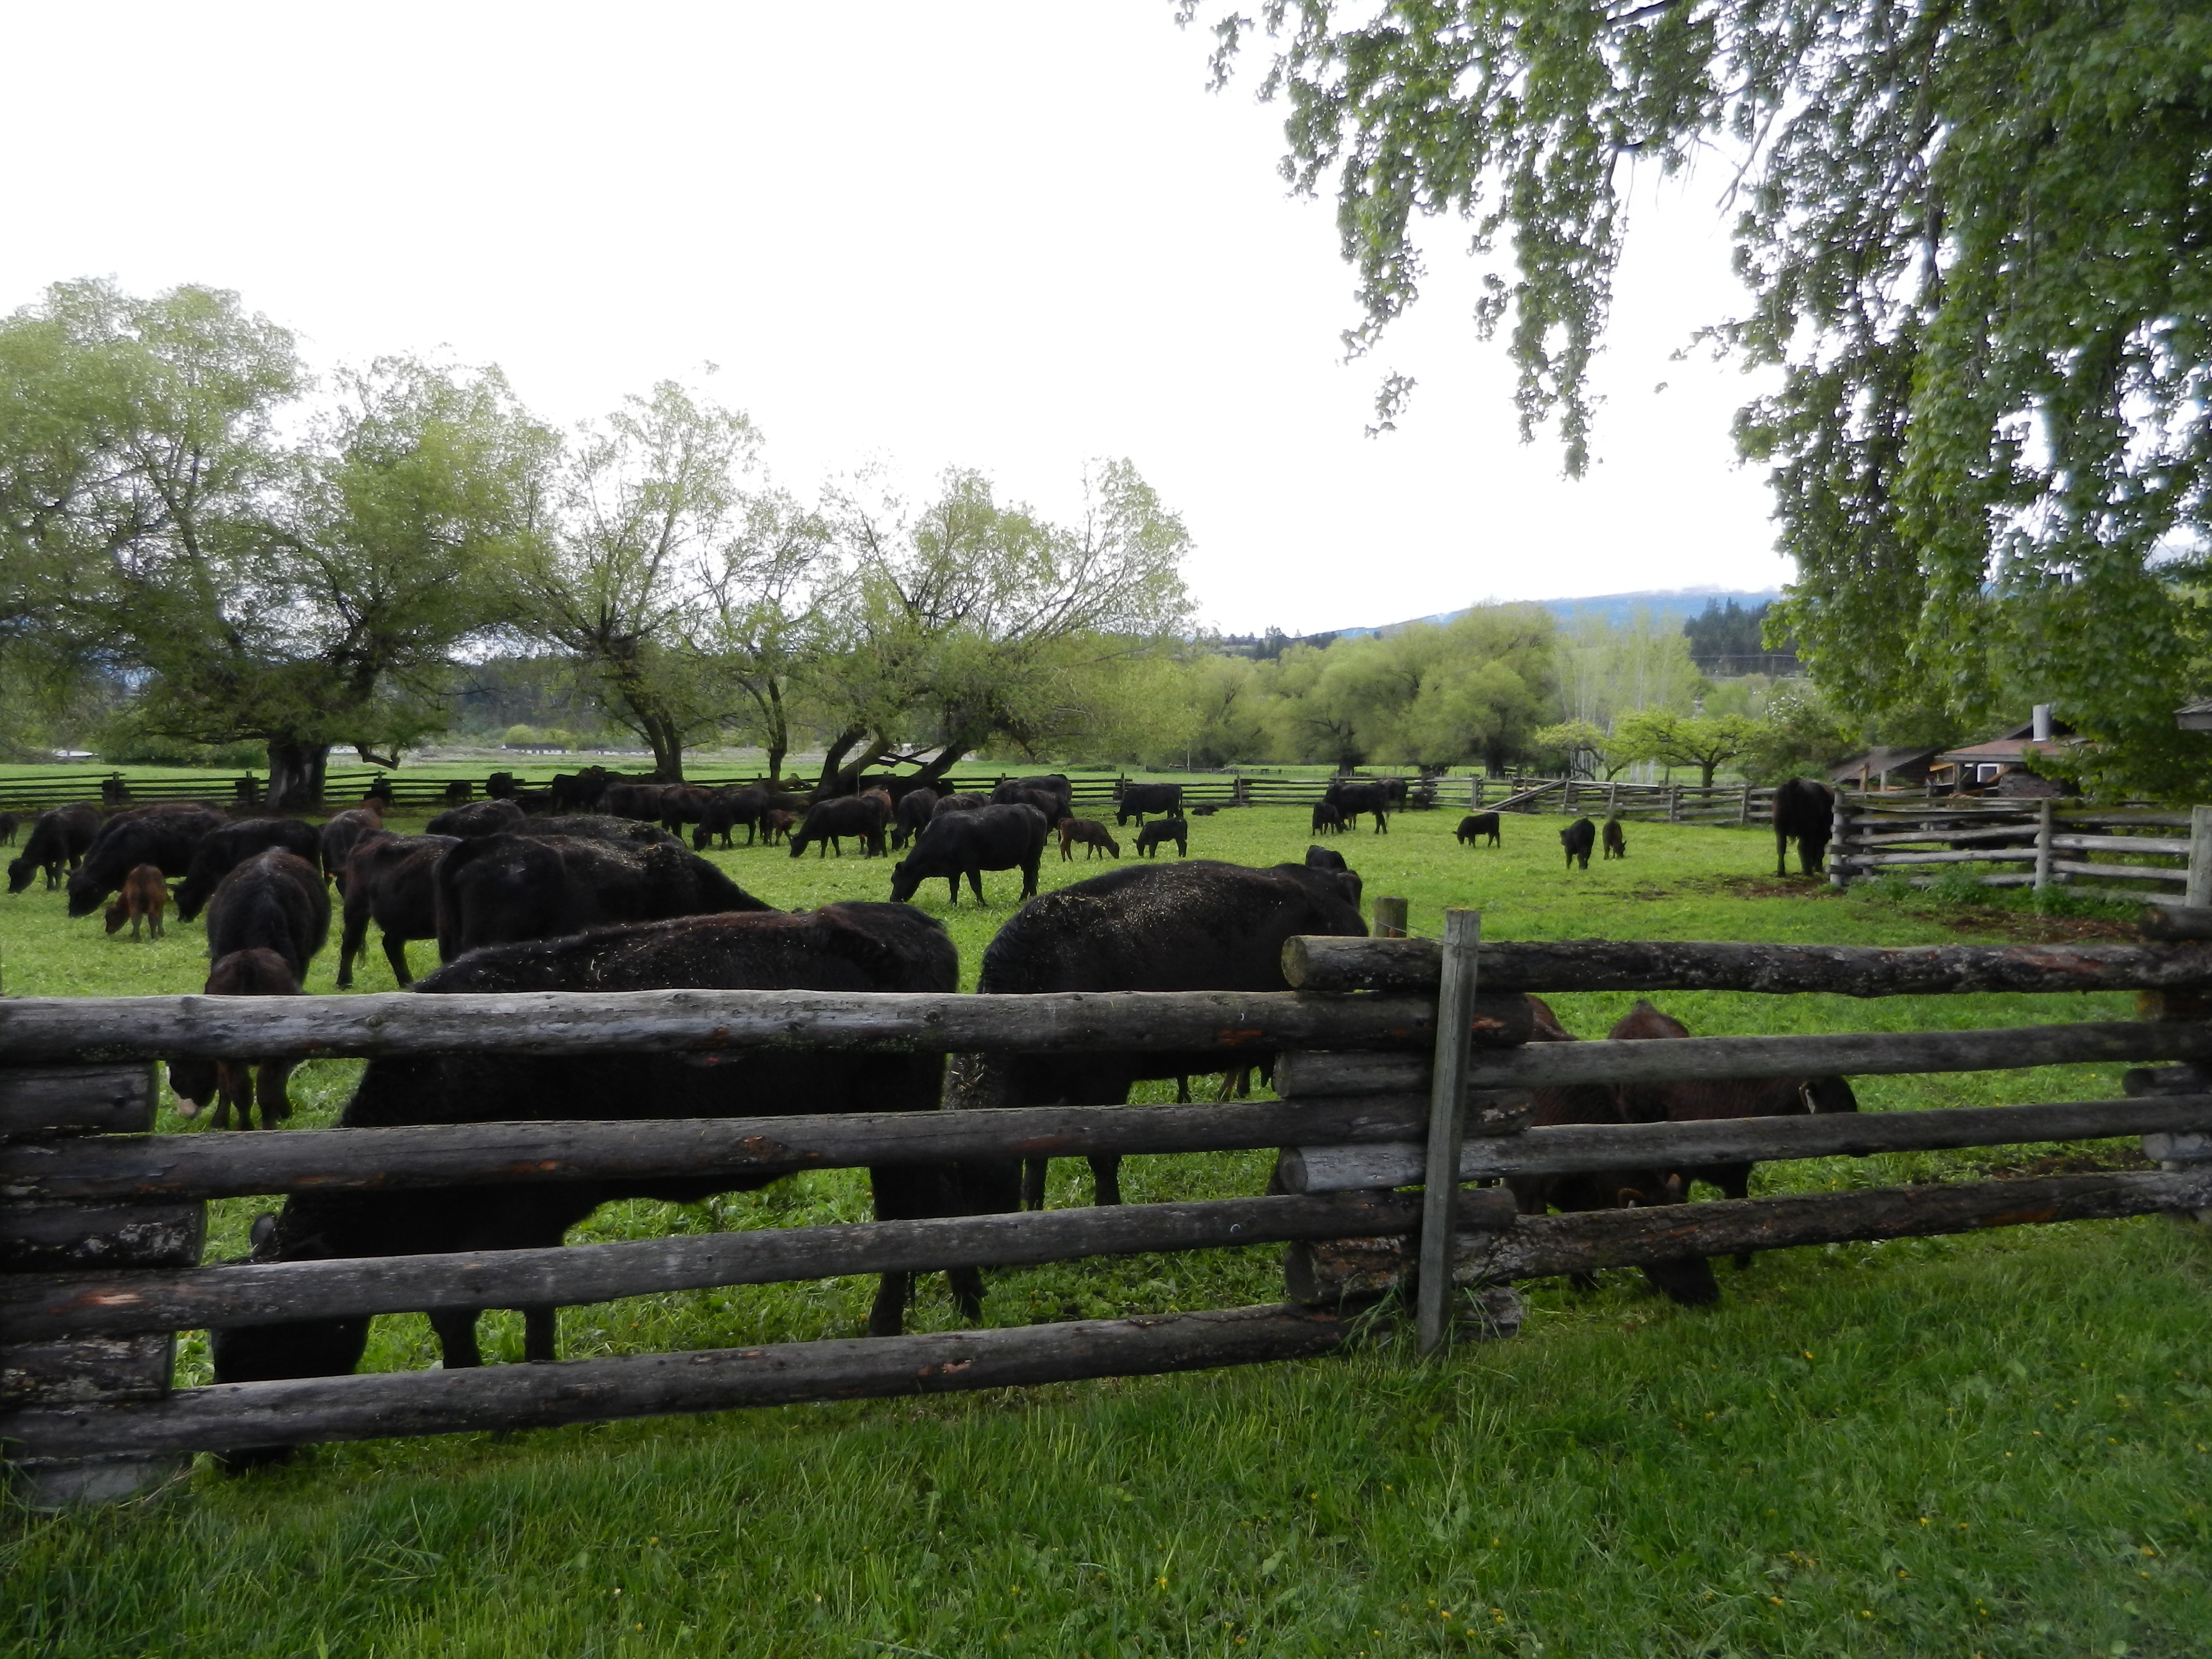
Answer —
165 835
1351 800
502 889
1324 857
1326 820
1477 827
839 947
225 849
957 844
273 901
1134 800
828 822
728 809
1149 838
962 803
641 801
1690 1281
1050 793
578 791
1805 812
1578 838
1203 925
1694 1100
9 824
911 816
391 880
341 835
500 785
57 839
1616 839
483 817
598 826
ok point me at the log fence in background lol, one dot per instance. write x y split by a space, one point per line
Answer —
2059 847
104 1270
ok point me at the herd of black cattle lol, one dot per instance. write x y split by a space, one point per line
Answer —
527 895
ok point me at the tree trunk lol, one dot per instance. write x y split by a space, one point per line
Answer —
849 775
668 744
296 768
834 756
778 734
1706 769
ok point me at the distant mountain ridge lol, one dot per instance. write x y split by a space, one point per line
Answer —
1663 604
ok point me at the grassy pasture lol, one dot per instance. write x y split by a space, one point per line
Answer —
1990 1446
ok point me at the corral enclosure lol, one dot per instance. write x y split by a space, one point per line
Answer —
1678 882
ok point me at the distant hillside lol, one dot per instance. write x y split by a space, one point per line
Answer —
1669 604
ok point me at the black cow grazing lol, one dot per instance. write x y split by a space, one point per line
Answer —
341 835
1805 812
500 785
957 844
482 817
504 889
1050 793
1351 800
273 901
1086 833
963 803
641 801
1616 839
1690 1281
1203 925
1204 808
166 835
728 809
1695 1101
684 803
1477 828
391 880
58 839
145 896
9 824
915 809
578 791
598 826
1134 800
255 973
225 849
458 793
1160 831
1578 838
839 947
1324 857
1326 820
828 822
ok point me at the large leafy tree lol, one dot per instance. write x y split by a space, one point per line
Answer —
971 620
301 590
1975 234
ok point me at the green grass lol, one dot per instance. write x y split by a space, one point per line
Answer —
1996 1445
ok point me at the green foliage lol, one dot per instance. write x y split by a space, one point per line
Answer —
1974 238
1798 737
1671 740
1579 747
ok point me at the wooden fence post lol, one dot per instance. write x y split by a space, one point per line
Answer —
2199 891
1475 791
1389 917
1446 1110
1839 833
42 1103
2043 818
1567 798
1674 803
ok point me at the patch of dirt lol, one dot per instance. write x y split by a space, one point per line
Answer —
1748 887
2029 928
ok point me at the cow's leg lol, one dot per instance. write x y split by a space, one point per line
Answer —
967 1284
952 889
395 952
1034 1171
1106 1178
1182 1090
225 1088
276 1093
457 1337
976 882
539 1345
1781 854
909 1192
352 942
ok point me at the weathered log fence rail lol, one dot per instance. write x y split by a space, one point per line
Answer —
2077 848
101 1231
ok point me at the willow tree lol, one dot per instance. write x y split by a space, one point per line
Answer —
971 620
299 576
1975 237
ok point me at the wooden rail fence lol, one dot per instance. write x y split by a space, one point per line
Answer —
1387 1111
2082 849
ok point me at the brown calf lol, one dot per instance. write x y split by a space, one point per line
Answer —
1089 833
144 897
255 973
1616 843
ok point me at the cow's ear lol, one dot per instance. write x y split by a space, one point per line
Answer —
1629 1197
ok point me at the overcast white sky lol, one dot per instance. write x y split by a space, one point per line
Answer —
1012 236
